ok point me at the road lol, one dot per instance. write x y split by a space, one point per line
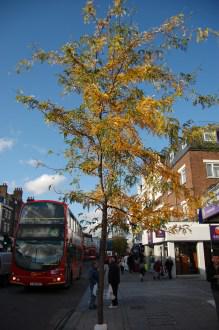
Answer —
39 308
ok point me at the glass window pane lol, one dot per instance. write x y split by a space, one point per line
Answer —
209 170
216 171
183 175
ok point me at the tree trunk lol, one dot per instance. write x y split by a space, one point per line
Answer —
100 317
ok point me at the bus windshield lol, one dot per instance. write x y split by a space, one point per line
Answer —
39 247
38 255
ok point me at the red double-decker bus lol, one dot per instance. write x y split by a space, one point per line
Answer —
48 246
90 249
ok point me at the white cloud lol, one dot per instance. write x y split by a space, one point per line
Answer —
43 183
6 144
32 162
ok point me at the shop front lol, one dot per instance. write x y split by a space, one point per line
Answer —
186 249
186 258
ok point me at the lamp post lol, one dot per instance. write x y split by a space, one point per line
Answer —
161 254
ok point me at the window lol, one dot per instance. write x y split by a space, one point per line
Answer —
184 208
210 136
171 155
184 145
169 191
212 170
182 173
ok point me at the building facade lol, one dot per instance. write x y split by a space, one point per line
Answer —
10 205
192 250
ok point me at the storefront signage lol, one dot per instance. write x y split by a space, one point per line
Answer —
209 211
214 231
160 233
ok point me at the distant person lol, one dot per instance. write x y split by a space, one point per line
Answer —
169 266
93 280
114 280
157 270
126 263
122 265
151 263
142 266
130 262
213 272
136 264
106 271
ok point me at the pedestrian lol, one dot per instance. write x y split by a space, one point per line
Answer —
130 262
157 270
114 280
93 280
136 264
141 266
126 263
151 262
122 265
106 270
168 267
214 273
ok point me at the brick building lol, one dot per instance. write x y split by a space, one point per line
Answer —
10 205
198 168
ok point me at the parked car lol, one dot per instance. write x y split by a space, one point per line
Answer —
5 266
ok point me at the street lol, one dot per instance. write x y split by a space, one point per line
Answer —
39 308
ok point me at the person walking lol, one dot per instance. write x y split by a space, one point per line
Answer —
130 262
126 263
169 266
93 280
157 270
122 265
141 266
114 280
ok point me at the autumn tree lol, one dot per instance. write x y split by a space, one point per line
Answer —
126 90
119 245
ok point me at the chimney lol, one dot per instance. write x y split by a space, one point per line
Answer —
18 192
3 190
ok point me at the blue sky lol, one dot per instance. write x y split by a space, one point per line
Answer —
24 137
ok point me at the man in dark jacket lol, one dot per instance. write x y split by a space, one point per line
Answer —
114 280
169 266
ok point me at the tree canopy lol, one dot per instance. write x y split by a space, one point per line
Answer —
126 88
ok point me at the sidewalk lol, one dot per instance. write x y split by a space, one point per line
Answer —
164 304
